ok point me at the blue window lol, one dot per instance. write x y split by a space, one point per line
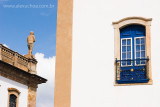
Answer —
133 60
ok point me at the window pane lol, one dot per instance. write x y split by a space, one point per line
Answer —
123 48
137 61
142 47
143 54
128 55
129 62
137 54
129 48
143 61
138 41
123 42
142 41
137 47
128 42
126 51
140 50
123 55
123 62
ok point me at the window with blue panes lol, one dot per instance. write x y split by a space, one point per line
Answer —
133 55
126 52
140 50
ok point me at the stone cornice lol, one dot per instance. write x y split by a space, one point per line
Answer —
134 17
18 75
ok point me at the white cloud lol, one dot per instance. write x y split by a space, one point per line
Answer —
6 45
46 69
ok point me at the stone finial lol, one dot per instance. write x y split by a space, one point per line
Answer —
30 43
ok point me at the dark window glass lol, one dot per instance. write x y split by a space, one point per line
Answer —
12 100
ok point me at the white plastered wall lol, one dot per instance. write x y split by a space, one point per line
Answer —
7 83
93 54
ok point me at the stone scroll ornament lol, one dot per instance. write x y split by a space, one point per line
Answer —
30 43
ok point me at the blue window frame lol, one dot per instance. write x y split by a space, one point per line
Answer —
132 52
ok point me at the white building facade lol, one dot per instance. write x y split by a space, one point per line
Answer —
5 85
94 48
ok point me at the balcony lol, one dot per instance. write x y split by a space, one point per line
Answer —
135 72
17 60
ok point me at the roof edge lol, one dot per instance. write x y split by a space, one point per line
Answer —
28 76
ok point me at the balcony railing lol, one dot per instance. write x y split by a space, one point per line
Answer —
17 60
132 71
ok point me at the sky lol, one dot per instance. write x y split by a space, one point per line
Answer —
17 19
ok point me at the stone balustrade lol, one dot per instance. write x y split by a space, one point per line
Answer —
18 60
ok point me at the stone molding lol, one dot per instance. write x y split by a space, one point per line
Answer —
133 17
129 21
14 89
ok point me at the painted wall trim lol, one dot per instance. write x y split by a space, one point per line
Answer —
63 67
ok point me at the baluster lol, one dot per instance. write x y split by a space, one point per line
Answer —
147 68
118 70
15 59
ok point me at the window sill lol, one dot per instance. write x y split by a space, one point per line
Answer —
132 81
150 82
